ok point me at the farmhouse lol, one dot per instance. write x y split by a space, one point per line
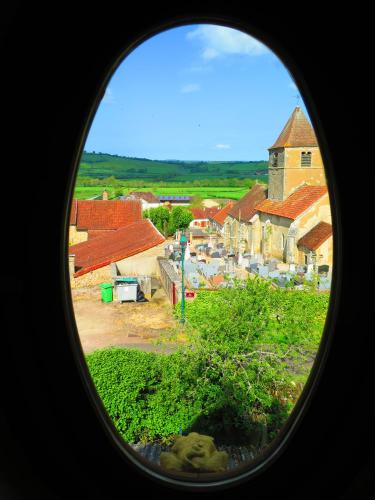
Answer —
148 199
287 223
202 216
134 248
92 218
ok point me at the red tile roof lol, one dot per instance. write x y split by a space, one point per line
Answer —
94 233
316 236
245 209
144 195
104 214
204 213
73 212
117 245
295 204
297 132
220 216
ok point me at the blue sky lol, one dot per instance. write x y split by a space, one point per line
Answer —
197 92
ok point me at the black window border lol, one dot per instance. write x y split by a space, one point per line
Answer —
277 448
53 443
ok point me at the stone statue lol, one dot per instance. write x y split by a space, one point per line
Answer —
194 453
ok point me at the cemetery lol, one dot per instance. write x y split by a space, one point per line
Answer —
210 266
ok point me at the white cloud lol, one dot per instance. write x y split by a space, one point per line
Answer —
108 97
220 40
293 86
223 146
190 87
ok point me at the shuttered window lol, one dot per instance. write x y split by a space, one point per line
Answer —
306 159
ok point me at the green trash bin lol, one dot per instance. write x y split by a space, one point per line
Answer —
107 292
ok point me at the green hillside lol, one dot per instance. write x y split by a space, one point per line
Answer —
100 166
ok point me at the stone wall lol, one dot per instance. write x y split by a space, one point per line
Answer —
76 236
144 263
170 280
289 174
102 275
324 254
295 175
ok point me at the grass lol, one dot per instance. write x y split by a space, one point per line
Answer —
234 193
220 192
85 193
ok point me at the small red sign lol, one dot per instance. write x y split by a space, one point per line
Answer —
190 295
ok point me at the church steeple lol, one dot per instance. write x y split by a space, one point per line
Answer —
297 132
294 158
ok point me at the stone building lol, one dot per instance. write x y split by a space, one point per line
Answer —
134 248
315 247
201 216
239 234
292 223
148 199
281 224
217 221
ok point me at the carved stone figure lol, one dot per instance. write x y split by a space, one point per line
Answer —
194 453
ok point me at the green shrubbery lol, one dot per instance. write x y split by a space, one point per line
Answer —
169 221
249 350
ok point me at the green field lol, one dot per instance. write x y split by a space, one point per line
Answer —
119 175
233 193
85 193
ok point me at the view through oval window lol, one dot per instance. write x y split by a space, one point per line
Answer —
200 249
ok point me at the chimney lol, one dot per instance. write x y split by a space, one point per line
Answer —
105 195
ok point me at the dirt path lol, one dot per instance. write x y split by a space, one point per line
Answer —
130 324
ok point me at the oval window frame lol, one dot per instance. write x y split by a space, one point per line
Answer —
253 469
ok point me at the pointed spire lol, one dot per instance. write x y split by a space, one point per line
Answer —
297 132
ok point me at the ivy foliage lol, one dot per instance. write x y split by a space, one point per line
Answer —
248 353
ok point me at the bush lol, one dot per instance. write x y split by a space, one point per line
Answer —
246 359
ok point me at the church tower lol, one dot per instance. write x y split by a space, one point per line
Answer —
294 159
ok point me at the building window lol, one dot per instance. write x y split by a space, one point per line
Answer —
306 159
282 242
274 160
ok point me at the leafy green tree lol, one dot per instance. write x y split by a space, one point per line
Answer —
118 192
160 217
180 219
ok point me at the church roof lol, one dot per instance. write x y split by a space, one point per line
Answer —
295 204
220 217
297 132
244 209
316 236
